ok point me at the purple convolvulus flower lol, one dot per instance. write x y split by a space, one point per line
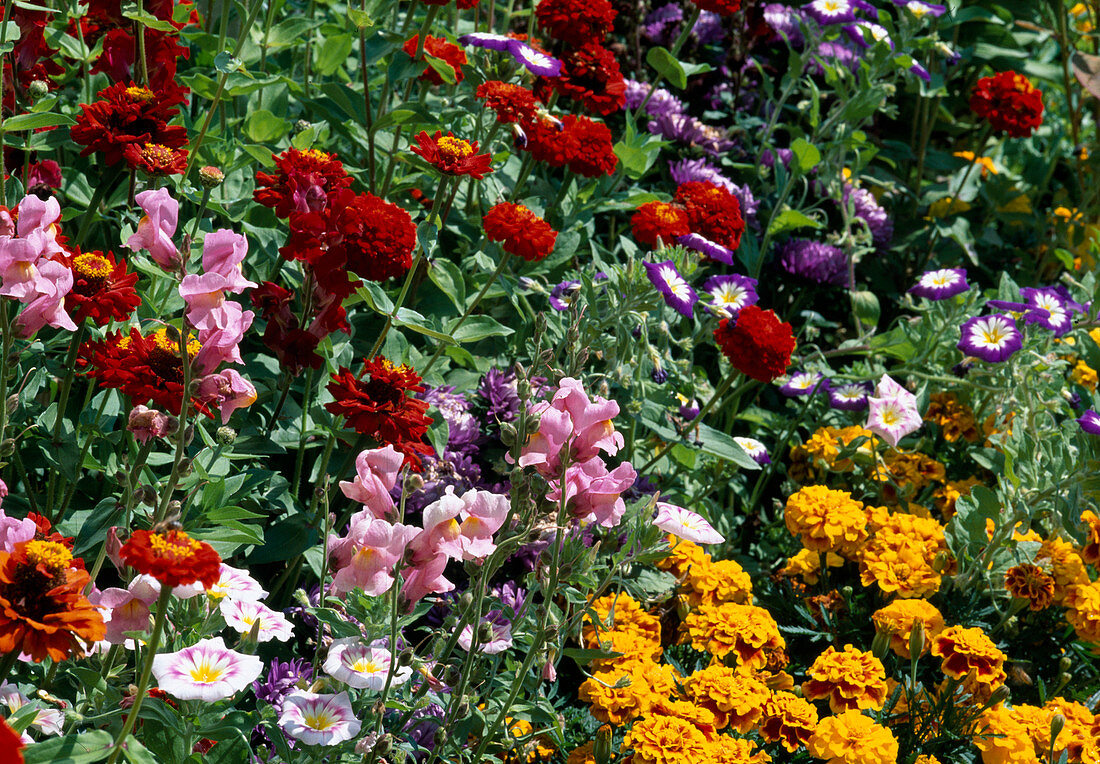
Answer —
849 396
730 292
785 21
676 292
991 338
755 449
801 383
1090 422
941 284
565 295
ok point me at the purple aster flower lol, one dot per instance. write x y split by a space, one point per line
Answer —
499 391
921 9
834 53
755 449
422 726
564 295
687 129
455 408
867 33
706 247
849 396
801 383
941 284
1090 422
785 21
814 260
991 338
866 208
708 29
729 293
662 103
512 596
767 158
661 23
828 12
456 469
281 679
678 293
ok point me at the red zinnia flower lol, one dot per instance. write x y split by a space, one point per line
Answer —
713 212
522 232
437 47
576 22
155 159
303 181
591 75
721 7
511 103
662 220
128 114
172 557
591 152
43 611
10 745
1009 102
756 343
452 156
143 368
380 406
102 289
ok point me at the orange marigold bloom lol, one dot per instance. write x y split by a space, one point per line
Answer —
850 679
898 619
729 750
1002 739
827 520
745 630
1031 583
172 557
659 220
43 611
736 698
789 720
1083 611
451 155
682 556
1066 566
634 646
520 231
946 495
712 583
899 565
852 738
582 755
970 652
807 564
665 740
620 612
955 419
1090 553
648 683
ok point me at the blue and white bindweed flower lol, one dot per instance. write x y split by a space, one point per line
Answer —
865 34
991 338
730 293
831 11
941 284
535 62
1090 422
849 396
755 449
801 383
677 292
707 247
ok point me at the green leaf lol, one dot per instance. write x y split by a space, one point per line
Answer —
866 307
445 71
667 66
225 63
34 121
375 298
420 324
479 327
806 155
290 31
582 656
136 753
788 220
361 19
262 126
447 276
333 54
86 748
717 443
146 19
427 235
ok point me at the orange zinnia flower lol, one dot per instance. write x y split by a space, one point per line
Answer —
173 558
451 155
43 611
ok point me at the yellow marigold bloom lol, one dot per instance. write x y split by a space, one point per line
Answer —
970 652
683 555
899 565
1090 553
1066 566
1002 739
1084 375
1019 533
850 679
788 719
736 698
1083 611
820 454
582 755
986 163
955 419
635 648
898 619
827 520
665 740
703 718
852 738
941 208
645 683
745 630
1031 583
712 583
1094 334
807 564
922 759
1080 735
620 612
916 470
729 750
946 495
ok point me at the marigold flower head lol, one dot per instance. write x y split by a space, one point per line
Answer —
970 652
819 454
946 495
712 583
172 557
1002 739
1083 611
520 231
736 698
634 646
451 155
898 619
1066 566
682 556
756 343
747 631
850 679
665 740
620 612
645 683
955 419
578 142
1090 552
789 720
1030 582
807 565
142 367
852 738
899 565
826 520
1009 102
730 750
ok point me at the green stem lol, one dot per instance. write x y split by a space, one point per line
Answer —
139 33
676 46
300 458
181 433
5 350
60 515
198 215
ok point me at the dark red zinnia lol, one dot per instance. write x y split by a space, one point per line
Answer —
127 113
662 220
713 212
756 343
379 403
437 47
589 74
511 103
102 289
451 155
155 159
721 7
576 22
520 230
302 181
143 368
1009 102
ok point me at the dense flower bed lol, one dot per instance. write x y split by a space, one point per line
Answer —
562 382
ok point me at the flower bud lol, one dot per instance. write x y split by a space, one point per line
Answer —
916 639
185 467
38 89
385 744
485 632
405 657
880 645
451 676
7 447
463 710
12 403
1000 695
1057 722
508 434
465 601
441 737
601 749
174 508
225 436
413 482
211 177
300 126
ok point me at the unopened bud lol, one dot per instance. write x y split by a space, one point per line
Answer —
185 467
601 749
174 508
38 89
385 744
7 447
211 177
1066 663
1057 722
451 676
880 645
226 435
465 601
508 434
301 125
147 495
189 434
440 737
1000 695
916 639
12 403
485 632
413 482
463 710
405 657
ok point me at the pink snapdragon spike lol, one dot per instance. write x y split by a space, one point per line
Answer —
483 515
426 577
220 344
442 532
205 298
236 584
223 251
128 609
39 215
207 670
892 411
570 417
593 493
362 666
319 719
685 524
145 423
366 557
243 615
375 474
14 531
47 306
228 390
18 268
3 491
157 227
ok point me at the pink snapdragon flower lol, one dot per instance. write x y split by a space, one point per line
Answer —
40 215
157 227
892 412
482 515
685 524
594 494
145 423
571 418
375 475
228 390
127 610
220 344
366 558
14 531
47 305
425 578
223 251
